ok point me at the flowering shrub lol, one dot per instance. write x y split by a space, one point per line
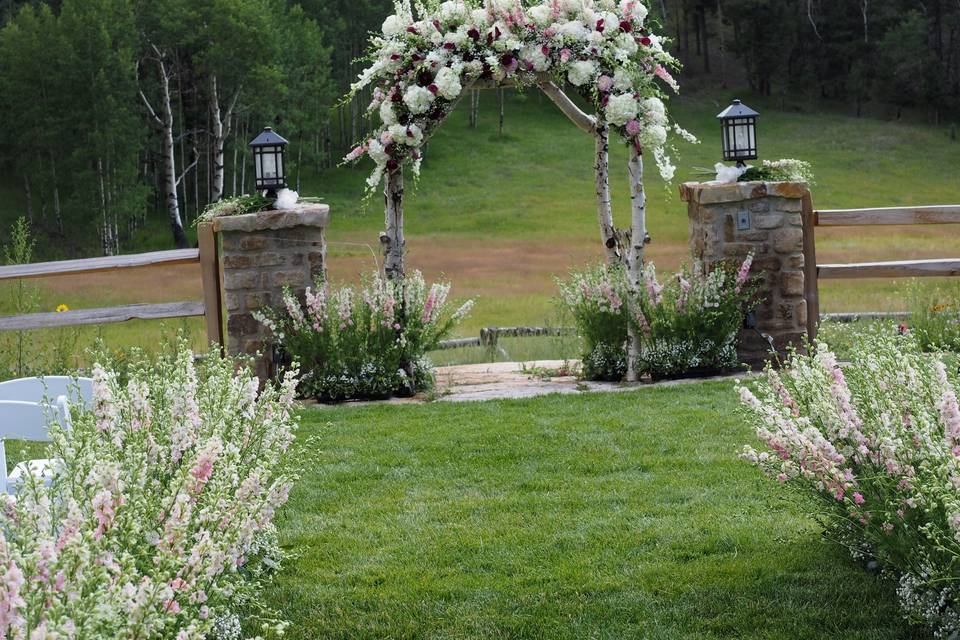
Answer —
690 323
366 343
422 66
934 317
596 298
154 524
878 446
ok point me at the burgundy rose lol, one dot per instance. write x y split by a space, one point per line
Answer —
449 46
545 50
625 26
396 97
395 56
416 57
473 34
432 88
506 59
412 30
645 41
436 24
392 164
599 27
605 100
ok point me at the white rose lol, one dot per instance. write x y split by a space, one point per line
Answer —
620 109
636 10
387 115
448 83
581 72
418 99
392 26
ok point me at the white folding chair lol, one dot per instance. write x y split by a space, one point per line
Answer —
48 388
29 421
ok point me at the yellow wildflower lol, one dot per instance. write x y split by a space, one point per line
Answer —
62 307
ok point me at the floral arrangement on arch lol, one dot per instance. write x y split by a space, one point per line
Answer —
423 65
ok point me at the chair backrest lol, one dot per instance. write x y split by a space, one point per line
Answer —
48 388
29 420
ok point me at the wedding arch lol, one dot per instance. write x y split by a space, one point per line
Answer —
423 62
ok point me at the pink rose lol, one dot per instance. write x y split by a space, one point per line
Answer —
633 127
565 55
605 83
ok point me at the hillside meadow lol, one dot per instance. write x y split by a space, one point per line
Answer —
503 215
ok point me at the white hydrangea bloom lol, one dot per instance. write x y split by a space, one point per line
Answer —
448 83
452 11
418 99
571 6
626 43
479 18
620 109
653 136
573 30
637 10
392 26
410 135
534 55
387 115
581 72
541 14
376 152
622 80
655 110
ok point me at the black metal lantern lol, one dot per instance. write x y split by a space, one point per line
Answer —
268 161
738 124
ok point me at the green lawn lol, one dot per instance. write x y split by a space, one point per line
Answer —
623 515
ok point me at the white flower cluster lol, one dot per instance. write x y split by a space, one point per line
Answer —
422 65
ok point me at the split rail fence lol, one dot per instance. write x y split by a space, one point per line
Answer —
814 272
205 256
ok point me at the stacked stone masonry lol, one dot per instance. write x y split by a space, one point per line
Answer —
260 255
729 221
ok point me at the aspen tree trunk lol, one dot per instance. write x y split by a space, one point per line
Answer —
29 196
392 237
500 97
608 234
638 235
56 195
165 124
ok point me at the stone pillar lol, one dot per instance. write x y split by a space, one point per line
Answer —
728 221
260 254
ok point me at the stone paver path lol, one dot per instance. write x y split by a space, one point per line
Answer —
506 380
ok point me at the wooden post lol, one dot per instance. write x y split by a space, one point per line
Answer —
638 234
210 278
811 289
608 234
392 237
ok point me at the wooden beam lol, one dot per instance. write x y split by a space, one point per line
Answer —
939 214
108 263
585 122
811 289
210 278
896 269
105 315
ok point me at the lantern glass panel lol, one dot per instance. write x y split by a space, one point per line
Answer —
278 162
269 164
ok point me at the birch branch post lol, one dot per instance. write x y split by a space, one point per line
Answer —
638 235
601 166
392 238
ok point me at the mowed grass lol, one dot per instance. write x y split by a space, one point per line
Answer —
617 515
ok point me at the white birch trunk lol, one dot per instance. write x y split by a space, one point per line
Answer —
165 123
608 234
392 238
56 195
638 235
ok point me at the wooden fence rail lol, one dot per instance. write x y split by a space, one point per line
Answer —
813 272
205 256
